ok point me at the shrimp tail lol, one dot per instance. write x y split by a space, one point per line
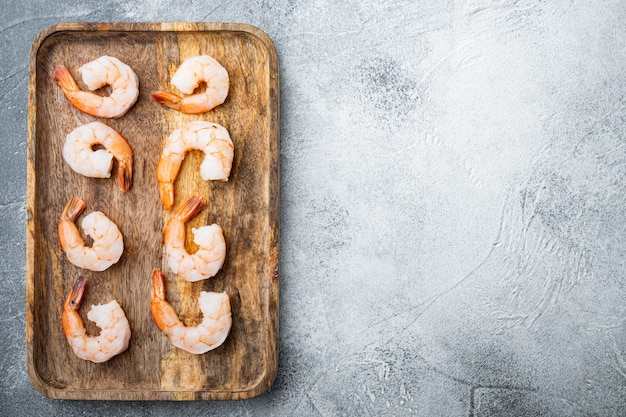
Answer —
188 105
162 312
75 298
167 170
158 285
168 99
71 321
166 190
188 210
73 209
65 80
125 175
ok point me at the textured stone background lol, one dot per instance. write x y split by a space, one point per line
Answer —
453 208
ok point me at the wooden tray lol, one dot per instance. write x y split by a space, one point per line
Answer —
246 207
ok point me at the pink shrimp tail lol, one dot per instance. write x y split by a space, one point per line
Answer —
72 209
158 286
168 99
70 319
188 210
162 312
167 195
167 170
65 80
75 298
125 175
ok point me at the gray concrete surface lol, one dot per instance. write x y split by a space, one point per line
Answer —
453 206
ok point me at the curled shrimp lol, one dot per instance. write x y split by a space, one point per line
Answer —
209 258
188 77
79 154
212 139
110 318
108 243
208 335
105 70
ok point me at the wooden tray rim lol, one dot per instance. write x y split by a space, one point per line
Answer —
36 380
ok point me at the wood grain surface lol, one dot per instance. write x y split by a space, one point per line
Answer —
246 207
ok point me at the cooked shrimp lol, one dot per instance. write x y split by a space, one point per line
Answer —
188 77
210 138
105 70
212 248
209 334
110 318
108 243
79 154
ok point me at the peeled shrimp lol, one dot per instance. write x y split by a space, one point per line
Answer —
105 70
188 77
210 138
110 318
209 258
209 334
108 243
79 154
